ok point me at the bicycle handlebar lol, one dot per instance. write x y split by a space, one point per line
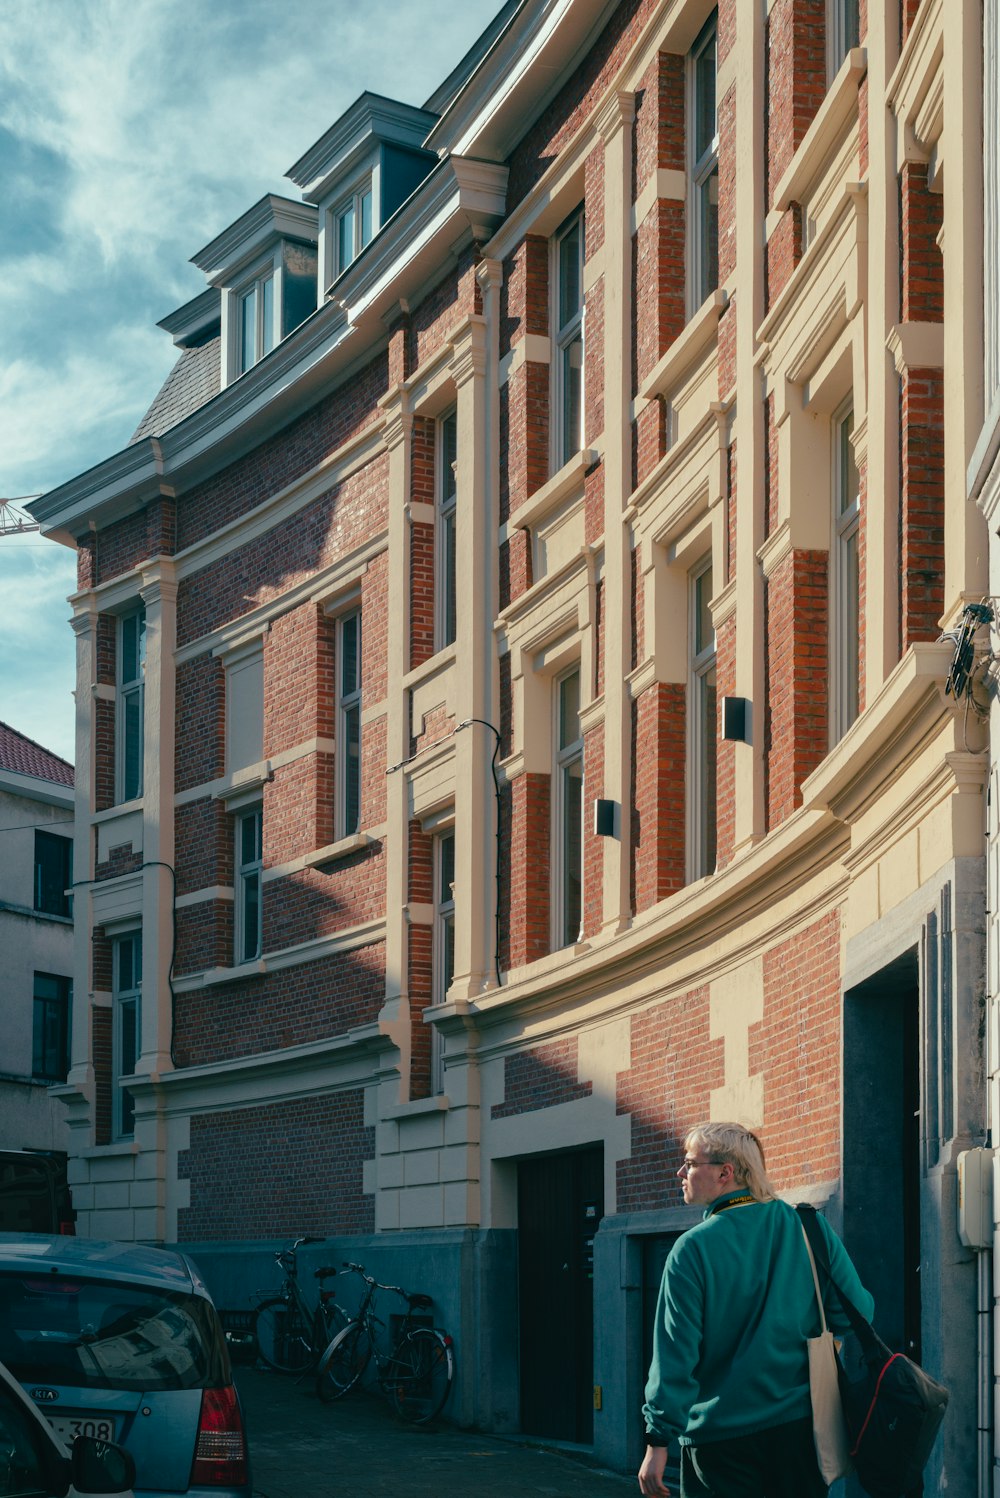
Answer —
374 1283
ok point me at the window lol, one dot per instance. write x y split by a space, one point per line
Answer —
256 313
50 1027
131 702
567 821
249 861
444 941
349 723
704 137
447 497
127 1021
352 226
702 726
53 873
843 28
845 593
567 402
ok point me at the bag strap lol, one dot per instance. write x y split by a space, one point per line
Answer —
819 1296
872 1345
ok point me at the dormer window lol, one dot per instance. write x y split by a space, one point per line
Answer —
353 219
265 266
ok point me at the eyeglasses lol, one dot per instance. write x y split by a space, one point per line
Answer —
690 1164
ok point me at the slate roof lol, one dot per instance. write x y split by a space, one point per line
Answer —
22 756
194 379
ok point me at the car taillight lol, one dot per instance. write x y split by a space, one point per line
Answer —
220 1457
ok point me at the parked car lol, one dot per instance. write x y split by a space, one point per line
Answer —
34 1195
123 1344
34 1461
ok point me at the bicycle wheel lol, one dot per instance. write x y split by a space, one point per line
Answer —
419 1379
283 1340
343 1362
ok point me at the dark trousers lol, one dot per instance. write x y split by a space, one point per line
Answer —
775 1463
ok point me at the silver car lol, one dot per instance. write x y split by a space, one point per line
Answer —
33 1461
123 1344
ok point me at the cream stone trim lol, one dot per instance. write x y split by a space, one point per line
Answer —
430 782
365 934
419 513
593 270
117 902
330 586
697 336
536 599
550 496
433 689
915 93
592 716
318 1066
533 348
814 150
319 857
201 896
669 183
723 605
776 548
916 345
642 678
434 664
252 777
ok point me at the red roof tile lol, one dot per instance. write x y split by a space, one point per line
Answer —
22 756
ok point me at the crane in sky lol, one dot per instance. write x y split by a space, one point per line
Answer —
14 521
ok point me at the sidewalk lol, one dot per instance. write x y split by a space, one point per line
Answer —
300 1448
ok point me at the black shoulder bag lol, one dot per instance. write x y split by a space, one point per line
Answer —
894 1410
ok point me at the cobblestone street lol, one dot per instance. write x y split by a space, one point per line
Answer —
356 1449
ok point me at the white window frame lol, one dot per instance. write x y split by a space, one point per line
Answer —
248 879
701 169
442 944
129 692
564 757
446 534
845 601
267 274
352 202
566 336
126 999
703 799
349 706
842 33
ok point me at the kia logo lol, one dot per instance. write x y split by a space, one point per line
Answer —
44 1396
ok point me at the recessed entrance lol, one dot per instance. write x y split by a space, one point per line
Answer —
560 1203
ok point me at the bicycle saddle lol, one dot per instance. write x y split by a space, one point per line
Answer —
325 1272
420 1302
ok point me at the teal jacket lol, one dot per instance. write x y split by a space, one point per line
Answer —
736 1305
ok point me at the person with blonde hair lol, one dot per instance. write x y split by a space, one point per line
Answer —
729 1378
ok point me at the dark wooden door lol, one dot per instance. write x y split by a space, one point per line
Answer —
560 1202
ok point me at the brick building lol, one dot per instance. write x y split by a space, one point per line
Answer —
36 940
511 721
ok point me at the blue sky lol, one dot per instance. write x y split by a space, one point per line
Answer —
131 133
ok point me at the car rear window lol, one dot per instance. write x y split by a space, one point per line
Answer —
99 1334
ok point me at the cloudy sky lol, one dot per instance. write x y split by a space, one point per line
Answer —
131 133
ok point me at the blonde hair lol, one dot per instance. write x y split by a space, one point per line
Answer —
732 1144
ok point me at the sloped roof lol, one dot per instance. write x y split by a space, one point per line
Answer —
22 756
194 379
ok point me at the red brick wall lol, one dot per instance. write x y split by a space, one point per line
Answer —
921 217
422 491
420 878
299 706
200 722
151 532
674 1066
455 297
593 846
796 79
242 1184
922 514
303 444
104 715
289 1007
542 1077
525 862
524 399
725 784
120 860
101 1043
796 730
797 1048
659 775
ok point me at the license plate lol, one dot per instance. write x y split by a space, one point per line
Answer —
68 1427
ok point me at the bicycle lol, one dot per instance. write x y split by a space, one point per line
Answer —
290 1334
415 1376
